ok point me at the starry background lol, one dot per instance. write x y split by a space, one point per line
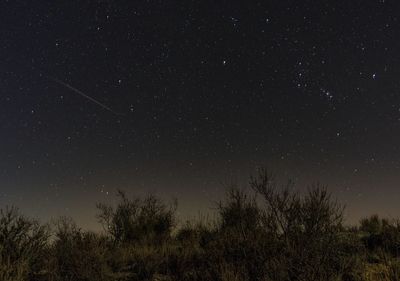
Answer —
207 91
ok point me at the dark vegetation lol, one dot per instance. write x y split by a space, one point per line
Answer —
269 233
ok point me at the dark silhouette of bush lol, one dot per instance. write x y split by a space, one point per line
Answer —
373 224
22 246
268 232
241 238
307 229
78 255
381 237
198 234
138 220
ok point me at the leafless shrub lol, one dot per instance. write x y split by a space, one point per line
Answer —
22 244
138 219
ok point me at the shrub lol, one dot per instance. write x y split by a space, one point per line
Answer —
381 235
138 220
22 244
78 255
308 230
268 233
373 224
241 239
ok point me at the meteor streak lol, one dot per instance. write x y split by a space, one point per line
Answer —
84 95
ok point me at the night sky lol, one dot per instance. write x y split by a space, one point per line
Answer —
177 97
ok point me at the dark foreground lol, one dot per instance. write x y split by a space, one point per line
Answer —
270 233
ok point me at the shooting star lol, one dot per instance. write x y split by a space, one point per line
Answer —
84 95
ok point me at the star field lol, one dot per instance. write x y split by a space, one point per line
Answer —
207 91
